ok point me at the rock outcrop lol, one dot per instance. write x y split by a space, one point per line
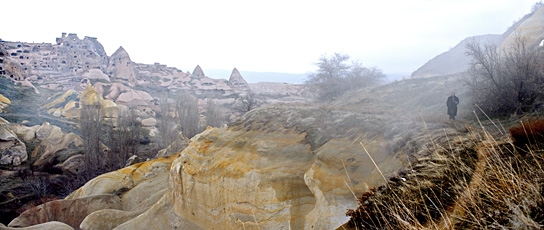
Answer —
121 67
236 79
71 212
530 29
4 102
12 149
197 72
57 149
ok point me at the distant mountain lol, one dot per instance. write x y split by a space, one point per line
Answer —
255 77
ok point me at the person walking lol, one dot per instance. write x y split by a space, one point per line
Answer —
452 105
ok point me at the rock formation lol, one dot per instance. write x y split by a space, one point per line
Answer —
282 166
530 29
4 102
236 79
12 149
197 72
121 67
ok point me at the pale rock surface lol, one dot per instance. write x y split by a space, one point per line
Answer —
4 102
121 67
27 83
56 145
149 122
51 225
12 149
70 212
69 95
531 30
96 74
27 133
134 98
236 79
128 178
74 165
177 146
197 72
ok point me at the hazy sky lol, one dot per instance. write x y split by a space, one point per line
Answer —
397 36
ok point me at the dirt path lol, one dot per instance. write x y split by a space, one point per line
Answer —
451 219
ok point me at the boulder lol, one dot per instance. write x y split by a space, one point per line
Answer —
149 122
4 102
56 146
134 98
12 150
96 74
51 225
74 165
70 212
27 133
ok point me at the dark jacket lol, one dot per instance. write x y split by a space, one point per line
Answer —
452 105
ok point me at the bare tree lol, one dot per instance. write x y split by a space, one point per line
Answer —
90 121
166 123
505 81
123 135
250 101
186 111
214 118
335 76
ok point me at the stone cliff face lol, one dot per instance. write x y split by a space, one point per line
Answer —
531 30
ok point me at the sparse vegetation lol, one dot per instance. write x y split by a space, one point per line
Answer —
476 181
335 76
214 118
505 82
250 101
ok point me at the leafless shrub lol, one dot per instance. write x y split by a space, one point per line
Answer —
214 117
504 82
250 101
335 76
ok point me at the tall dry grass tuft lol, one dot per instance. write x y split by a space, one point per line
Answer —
472 181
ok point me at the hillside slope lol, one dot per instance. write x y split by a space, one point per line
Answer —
455 60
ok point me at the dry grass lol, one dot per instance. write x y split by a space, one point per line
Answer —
473 181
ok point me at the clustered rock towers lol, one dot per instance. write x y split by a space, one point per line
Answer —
67 63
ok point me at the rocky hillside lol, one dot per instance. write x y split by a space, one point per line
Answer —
455 60
281 166
72 63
